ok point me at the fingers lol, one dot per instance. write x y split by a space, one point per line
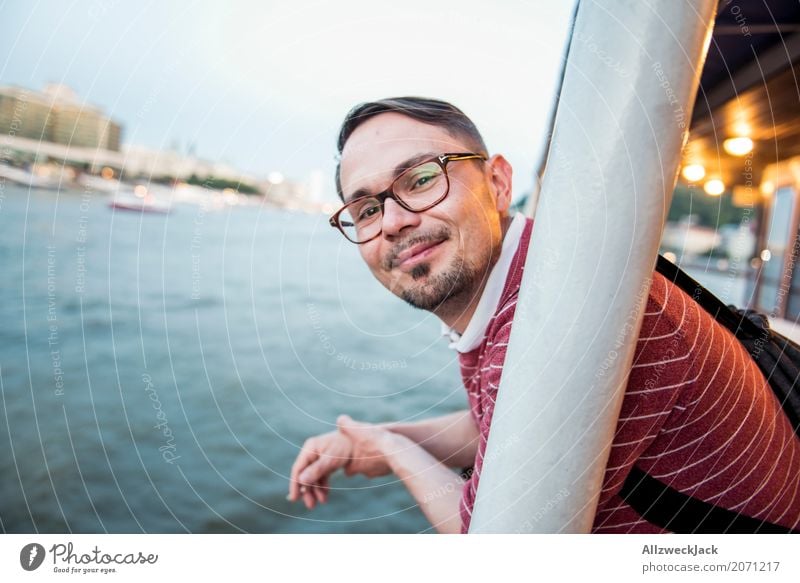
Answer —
320 490
319 457
316 471
345 424
315 494
309 476
306 457
308 497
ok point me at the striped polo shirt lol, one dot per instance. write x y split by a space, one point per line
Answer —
697 413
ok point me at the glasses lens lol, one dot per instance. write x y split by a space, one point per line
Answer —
361 219
421 186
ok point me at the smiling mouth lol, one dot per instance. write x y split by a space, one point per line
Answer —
412 256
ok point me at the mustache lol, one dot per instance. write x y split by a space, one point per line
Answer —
437 236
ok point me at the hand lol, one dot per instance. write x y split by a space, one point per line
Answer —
370 443
319 457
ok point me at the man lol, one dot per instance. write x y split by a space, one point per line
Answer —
428 209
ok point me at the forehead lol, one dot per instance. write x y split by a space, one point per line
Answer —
385 141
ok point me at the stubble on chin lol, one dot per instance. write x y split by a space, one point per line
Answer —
432 291
449 289
420 271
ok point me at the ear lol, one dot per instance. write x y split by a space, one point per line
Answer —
500 181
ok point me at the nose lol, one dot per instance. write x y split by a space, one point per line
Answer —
396 218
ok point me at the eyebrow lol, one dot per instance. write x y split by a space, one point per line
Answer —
398 170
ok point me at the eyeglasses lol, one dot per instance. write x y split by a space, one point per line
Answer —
417 189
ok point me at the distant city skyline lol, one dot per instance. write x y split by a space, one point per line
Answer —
264 87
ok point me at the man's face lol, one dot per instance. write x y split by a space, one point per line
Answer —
438 259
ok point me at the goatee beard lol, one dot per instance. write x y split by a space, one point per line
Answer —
454 286
451 286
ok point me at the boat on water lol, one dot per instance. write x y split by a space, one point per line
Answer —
141 204
25 178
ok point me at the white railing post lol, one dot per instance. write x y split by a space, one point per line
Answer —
631 78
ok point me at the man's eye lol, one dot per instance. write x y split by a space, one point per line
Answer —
422 180
368 212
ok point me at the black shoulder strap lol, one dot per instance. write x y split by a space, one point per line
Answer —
777 356
734 322
668 508
674 511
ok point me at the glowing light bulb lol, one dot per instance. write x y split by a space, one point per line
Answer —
739 146
714 187
693 172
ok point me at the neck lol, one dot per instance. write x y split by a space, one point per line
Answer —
457 311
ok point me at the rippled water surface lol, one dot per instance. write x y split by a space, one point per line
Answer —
159 372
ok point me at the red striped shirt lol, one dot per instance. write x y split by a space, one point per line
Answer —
697 413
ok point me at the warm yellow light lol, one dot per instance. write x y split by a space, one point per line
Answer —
714 187
107 173
767 187
693 172
741 127
740 146
140 190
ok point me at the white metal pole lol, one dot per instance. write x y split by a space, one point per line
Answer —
631 78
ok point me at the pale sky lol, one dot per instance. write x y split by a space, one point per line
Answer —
265 85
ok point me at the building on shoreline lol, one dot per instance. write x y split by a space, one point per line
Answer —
56 115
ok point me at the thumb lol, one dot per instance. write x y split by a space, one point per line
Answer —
346 424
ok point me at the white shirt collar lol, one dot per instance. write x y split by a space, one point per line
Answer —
476 329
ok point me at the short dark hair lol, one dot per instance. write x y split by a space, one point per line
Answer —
429 111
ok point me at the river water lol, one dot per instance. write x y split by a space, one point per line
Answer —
158 373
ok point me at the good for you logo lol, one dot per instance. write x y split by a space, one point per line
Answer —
66 559
31 556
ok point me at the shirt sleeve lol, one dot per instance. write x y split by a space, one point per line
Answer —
662 368
663 373
491 368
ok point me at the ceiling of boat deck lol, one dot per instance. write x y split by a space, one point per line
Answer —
750 87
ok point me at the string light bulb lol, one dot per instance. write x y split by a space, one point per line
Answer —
714 187
738 146
693 172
